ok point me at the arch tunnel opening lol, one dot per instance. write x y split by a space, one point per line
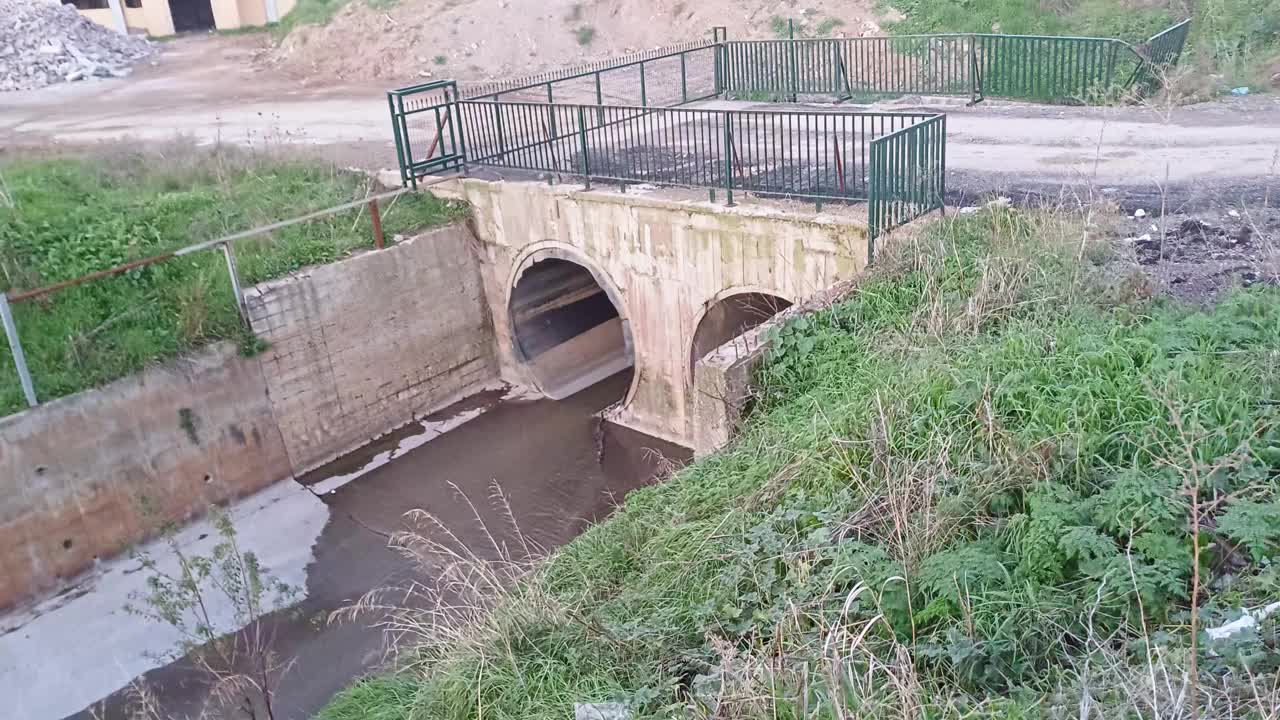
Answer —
568 331
730 318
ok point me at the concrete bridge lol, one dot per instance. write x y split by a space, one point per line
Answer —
582 284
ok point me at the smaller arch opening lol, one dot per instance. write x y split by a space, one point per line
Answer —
731 317
567 329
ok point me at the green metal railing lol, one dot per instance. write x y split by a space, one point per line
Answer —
663 77
908 174
1028 67
812 154
1053 69
849 67
427 136
1162 52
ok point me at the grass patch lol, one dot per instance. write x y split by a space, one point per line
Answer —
378 698
320 12
248 30
585 35
69 217
973 489
1232 38
781 27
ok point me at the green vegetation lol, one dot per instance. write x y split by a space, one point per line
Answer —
320 12
585 35
63 218
985 485
781 27
1232 38
440 60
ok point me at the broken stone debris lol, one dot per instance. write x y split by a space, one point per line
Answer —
43 42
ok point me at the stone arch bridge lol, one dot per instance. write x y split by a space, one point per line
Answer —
582 284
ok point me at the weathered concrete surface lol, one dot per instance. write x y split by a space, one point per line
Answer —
88 475
722 388
79 646
368 344
357 348
664 262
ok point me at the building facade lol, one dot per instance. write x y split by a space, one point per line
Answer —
159 18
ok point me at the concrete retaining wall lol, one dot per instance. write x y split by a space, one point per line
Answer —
358 348
85 476
370 343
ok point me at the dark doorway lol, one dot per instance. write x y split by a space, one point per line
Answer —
191 15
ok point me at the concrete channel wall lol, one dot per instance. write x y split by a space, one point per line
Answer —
370 343
358 347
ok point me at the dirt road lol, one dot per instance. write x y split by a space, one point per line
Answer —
207 89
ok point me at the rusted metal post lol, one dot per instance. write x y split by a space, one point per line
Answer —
15 347
375 217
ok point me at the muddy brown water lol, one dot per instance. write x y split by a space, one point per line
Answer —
559 466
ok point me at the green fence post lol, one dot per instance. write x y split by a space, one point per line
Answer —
684 81
720 38
395 131
582 146
599 101
875 198
502 135
728 160
454 99
644 94
408 146
795 63
942 165
975 78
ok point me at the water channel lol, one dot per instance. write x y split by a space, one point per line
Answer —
559 466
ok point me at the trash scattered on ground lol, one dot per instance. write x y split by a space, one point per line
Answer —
1248 619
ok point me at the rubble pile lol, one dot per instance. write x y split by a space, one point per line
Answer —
44 42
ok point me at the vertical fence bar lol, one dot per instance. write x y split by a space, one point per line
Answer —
456 107
728 158
599 101
395 131
644 94
684 80
408 146
15 347
582 145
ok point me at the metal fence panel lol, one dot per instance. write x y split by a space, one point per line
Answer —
1026 67
814 154
1162 52
426 134
908 175
1051 69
